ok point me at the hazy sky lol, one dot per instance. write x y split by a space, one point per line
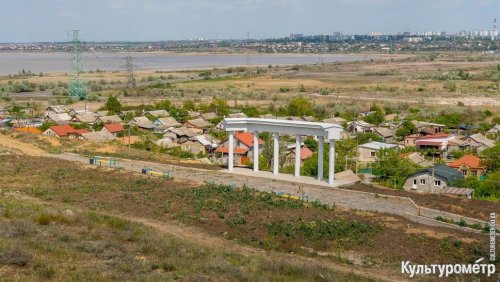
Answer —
100 20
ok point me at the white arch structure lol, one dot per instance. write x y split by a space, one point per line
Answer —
324 131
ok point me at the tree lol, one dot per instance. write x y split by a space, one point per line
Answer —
491 158
391 168
406 128
376 117
219 105
113 105
300 106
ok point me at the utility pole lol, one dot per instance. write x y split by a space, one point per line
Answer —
129 136
248 59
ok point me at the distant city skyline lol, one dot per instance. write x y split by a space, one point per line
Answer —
162 20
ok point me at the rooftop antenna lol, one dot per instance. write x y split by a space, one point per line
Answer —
248 59
77 87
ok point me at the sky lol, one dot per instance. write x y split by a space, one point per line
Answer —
150 20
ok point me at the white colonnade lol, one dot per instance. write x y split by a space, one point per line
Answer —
322 131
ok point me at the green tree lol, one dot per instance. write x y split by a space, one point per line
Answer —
406 128
491 158
393 169
219 105
113 105
300 106
188 105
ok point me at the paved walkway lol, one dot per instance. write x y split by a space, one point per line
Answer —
315 190
322 192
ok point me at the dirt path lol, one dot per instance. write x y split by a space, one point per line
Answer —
10 143
199 237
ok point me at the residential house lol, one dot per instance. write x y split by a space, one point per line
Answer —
469 165
305 153
123 114
110 130
416 158
198 125
360 126
478 142
335 120
428 127
194 114
55 109
4 112
367 153
166 122
457 144
410 140
89 118
391 117
179 135
308 118
438 142
268 116
365 113
209 116
386 134
101 113
237 115
493 133
109 119
432 180
142 122
74 112
166 143
62 118
204 144
96 136
240 155
60 131
243 143
157 113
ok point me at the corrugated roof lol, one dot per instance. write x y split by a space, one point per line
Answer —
458 191
449 174
377 145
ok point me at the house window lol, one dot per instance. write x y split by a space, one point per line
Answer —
422 181
437 182
473 173
372 154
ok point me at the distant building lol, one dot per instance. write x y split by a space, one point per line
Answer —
367 153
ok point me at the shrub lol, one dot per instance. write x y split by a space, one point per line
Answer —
16 256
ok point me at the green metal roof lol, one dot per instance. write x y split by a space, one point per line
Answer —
449 174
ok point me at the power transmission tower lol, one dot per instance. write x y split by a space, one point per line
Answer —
129 66
77 87
321 51
248 59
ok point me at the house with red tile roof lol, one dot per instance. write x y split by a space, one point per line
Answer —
66 131
469 165
305 153
243 143
112 129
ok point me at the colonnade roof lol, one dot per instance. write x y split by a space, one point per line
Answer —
327 130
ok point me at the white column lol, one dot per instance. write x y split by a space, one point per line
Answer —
331 162
230 161
297 155
276 160
321 145
255 151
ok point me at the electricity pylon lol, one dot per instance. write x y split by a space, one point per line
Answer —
77 87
